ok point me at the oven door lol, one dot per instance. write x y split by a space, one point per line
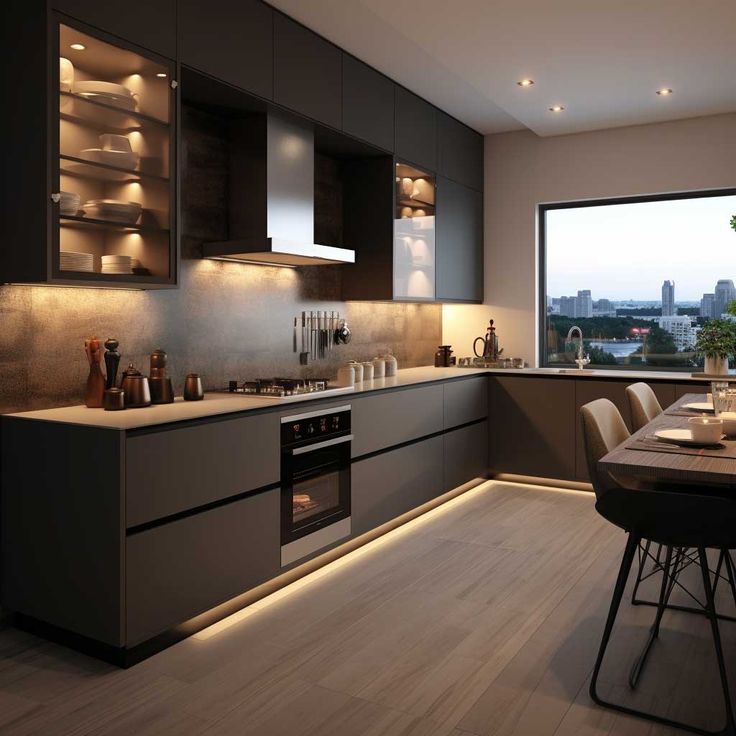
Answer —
315 490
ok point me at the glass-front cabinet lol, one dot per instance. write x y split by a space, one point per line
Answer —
113 165
414 234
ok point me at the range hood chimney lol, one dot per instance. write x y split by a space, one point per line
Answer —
271 201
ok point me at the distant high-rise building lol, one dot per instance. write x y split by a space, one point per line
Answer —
684 334
567 306
584 304
725 293
708 306
604 305
668 299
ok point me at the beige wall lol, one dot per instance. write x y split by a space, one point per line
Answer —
523 170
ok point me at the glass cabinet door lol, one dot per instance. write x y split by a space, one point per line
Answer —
414 234
116 164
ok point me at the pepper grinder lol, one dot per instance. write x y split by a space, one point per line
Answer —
162 392
112 361
95 380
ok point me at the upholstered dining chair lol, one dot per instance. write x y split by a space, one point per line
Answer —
676 518
643 404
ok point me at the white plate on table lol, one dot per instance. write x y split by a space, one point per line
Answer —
704 406
682 437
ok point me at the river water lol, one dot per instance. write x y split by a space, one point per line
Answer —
618 349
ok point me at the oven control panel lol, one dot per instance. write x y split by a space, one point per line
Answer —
296 430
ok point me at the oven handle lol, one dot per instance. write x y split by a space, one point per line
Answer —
320 445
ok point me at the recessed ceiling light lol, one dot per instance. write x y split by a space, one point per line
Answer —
556 108
161 75
664 91
77 46
525 82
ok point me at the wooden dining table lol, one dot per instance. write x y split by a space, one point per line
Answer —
673 467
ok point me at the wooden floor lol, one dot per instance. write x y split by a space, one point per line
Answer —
482 620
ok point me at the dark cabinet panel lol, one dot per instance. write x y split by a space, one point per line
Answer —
392 483
230 39
388 419
151 25
307 72
178 570
367 103
180 469
460 152
534 430
459 243
694 387
466 455
416 130
465 401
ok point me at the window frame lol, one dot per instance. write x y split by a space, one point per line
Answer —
545 207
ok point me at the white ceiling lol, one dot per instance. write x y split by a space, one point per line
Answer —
602 59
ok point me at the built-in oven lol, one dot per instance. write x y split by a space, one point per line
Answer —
315 481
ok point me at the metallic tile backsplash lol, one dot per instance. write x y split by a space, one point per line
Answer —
226 320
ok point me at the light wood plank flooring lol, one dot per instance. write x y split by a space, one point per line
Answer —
483 619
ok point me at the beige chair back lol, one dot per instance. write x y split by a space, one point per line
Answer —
643 403
603 430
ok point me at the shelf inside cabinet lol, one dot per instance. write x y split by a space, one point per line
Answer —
101 116
91 222
104 172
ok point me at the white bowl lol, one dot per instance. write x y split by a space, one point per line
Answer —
729 422
66 74
113 142
69 203
113 210
121 101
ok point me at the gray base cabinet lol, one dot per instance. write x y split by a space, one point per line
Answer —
466 455
465 401
390 484
181 569
533 421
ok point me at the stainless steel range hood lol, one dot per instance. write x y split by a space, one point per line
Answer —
271 201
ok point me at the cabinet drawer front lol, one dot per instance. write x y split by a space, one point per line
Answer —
395 417
179 570
390 484
172 471
466 455
465 401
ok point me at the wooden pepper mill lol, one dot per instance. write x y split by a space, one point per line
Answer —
112 361
95 380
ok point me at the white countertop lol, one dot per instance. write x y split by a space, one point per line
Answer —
215 404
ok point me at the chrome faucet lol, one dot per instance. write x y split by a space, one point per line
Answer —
582 359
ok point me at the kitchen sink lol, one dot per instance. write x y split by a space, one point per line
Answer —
575 371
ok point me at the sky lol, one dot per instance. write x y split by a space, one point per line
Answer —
626 251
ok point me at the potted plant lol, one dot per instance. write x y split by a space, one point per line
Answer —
717 342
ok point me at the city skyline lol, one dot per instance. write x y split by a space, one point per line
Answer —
626 251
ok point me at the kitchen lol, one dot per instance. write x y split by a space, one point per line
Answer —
276 157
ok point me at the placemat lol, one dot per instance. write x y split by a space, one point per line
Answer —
687 413
727 448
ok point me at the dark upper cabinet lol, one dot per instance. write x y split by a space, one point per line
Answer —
459 243
460 152
230 39
367 103
416 130
307 72
151 25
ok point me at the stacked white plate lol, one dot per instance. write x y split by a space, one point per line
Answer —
121 159
107 92
72 261
117 264
113 210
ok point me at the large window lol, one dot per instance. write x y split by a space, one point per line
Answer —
640 276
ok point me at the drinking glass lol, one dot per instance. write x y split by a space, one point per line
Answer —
724 397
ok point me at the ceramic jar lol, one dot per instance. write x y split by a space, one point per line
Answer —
367 371
392 365
346 375
379 367
358 369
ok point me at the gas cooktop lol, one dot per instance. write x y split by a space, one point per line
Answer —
284 388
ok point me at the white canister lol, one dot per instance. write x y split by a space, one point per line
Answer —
358 369
346 375
367 371
379 367
66 74
392 365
